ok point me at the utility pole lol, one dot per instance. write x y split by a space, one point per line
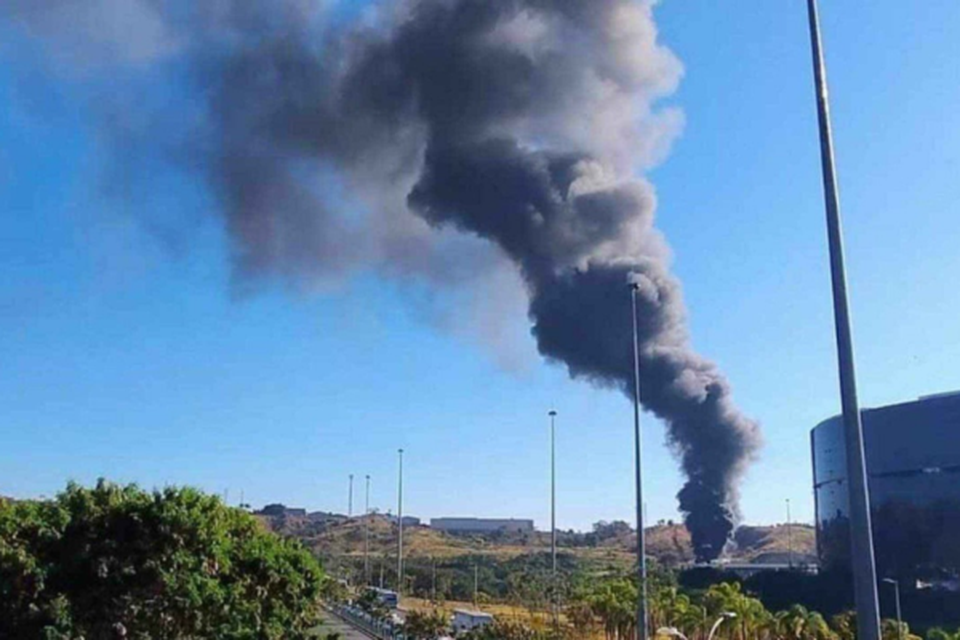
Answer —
789 535
641 622
896 595
400 527
476 584
350 499
861 534
366 533
553 514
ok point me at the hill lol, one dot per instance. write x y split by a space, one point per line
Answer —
339 539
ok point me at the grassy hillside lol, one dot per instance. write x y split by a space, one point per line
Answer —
341 538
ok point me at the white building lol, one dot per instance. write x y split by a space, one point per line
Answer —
482 525
408 521
465 620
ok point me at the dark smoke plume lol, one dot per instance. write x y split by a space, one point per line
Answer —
520 122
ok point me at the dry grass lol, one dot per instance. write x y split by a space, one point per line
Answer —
668 542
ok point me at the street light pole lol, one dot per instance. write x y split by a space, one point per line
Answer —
366 533
673 632
861 535
789 535
476 584
896 596
400 527
350 499
638 450
553 513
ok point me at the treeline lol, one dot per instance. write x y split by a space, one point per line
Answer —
119 562
525 581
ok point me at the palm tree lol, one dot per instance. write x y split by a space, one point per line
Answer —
797 623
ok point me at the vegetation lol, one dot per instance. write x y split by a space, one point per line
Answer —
118 562
340 541
425 625
605 607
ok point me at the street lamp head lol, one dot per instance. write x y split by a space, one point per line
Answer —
728 615
889 581
552 414
669 631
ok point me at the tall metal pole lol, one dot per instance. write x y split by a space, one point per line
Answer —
861 535
789 535
638 450
366 533
553 513
400 527
896 595
476 584
350 499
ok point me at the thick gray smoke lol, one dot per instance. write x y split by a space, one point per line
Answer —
520 122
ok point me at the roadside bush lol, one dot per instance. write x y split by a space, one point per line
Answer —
119 562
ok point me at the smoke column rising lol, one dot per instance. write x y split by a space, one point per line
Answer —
524 123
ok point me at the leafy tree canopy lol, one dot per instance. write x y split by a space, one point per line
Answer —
119 562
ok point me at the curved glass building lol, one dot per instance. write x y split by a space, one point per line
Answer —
913 467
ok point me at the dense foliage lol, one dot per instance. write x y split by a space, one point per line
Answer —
425 625
119 562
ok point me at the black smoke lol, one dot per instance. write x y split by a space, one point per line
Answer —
524 123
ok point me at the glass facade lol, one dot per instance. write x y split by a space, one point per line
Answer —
913 467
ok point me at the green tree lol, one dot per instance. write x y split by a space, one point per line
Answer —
797 623
751 616
370 602
942 634
845 625
423 625
116 561
504 630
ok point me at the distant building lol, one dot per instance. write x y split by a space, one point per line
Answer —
408 521
324 516
481 525
465 620
913 474
277 510
748 569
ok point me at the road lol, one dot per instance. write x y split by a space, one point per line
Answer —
333 624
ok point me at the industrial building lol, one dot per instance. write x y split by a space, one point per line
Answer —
408 521
481 525
913 467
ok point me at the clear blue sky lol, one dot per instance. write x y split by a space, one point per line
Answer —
125 356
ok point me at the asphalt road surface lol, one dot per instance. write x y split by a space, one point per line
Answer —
333 624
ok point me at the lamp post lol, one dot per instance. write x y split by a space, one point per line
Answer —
676 633
638 450
553 515
726 615
350 498
476 584
672 632
366 533
861 536
789 535
400 527
896 599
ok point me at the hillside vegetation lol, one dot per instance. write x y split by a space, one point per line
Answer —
336 538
